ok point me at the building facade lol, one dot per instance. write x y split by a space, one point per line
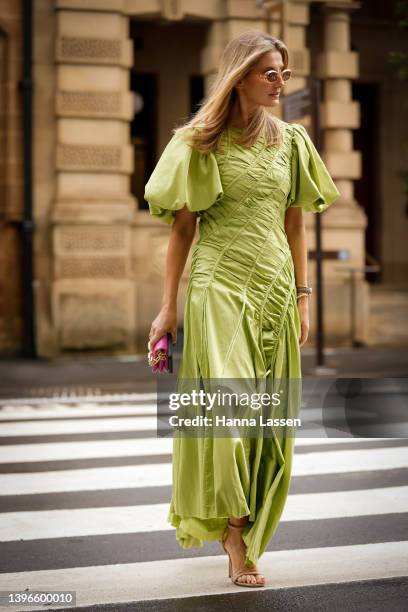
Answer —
109 81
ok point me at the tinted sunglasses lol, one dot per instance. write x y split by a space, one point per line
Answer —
272 75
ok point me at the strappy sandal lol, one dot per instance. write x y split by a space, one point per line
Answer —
244 570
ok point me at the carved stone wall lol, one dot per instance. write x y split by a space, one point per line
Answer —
343 224
97 285
11 178
93 301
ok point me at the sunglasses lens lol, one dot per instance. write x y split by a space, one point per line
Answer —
271 75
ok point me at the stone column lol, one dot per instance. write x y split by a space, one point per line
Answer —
294 22
337 65
286 20
93 301
11 177
346 221
236 17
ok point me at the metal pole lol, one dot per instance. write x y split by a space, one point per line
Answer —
316 97
29 348
353 326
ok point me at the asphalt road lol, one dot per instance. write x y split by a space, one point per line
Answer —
85 487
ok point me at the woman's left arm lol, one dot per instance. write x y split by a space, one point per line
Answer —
296 233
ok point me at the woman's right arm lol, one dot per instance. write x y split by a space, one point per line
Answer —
181 237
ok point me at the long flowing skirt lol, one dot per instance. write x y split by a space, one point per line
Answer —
214 477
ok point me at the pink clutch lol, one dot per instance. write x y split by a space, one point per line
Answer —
160 356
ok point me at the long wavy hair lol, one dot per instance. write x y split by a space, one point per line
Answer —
203 131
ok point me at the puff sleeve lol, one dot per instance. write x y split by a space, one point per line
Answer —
182 176
312 186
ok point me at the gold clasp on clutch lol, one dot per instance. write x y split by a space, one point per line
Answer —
160 356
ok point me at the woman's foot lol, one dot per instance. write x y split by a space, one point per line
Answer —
235 546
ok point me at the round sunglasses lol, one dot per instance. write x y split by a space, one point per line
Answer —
272 75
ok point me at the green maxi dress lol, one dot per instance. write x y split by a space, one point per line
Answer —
240 319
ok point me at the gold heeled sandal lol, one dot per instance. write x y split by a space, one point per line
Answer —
243 570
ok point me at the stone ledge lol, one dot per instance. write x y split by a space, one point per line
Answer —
95 104
94 266
338 65
106 51
91 314
344 165
92 240
340 114
95 158
102 212
116 6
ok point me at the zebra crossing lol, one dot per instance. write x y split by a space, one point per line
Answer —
84 492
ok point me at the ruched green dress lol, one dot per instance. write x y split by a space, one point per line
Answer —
241 318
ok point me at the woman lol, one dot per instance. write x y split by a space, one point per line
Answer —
248 176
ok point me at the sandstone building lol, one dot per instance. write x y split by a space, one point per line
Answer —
81 259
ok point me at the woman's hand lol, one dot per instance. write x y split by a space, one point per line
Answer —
166 321
303 308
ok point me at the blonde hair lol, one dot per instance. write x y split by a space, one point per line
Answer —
204 129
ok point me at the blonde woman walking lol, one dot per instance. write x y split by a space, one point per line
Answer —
248 176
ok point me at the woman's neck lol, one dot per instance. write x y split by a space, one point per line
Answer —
239 117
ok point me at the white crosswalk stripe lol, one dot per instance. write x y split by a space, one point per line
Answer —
156 475
152 517
102 582
82 450
141 423
162 446
62 411
206 575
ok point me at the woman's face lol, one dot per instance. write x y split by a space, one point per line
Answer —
256 89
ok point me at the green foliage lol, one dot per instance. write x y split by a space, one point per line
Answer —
399 59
